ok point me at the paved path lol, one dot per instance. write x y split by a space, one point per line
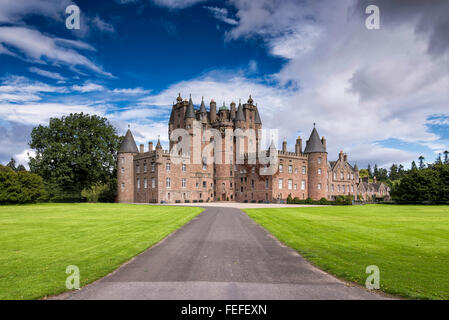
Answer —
221 254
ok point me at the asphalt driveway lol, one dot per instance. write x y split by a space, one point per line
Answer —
221 254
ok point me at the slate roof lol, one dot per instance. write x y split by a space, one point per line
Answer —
202 107
128 144
240 116
257 119
190 112
314 143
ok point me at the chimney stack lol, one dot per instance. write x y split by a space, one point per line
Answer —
323 141
150 146
142 148
213 110
298 146
284 146
345 157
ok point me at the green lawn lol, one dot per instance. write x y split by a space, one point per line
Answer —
410 244
38 242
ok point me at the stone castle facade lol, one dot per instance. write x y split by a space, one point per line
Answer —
152 176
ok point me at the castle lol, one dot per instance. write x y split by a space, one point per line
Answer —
153 176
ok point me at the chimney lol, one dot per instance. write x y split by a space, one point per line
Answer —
323 141
142 149
340 155
213 111
298 146
284 146
345 157
150 146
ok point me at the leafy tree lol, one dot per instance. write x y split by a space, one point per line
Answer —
75 152
446 157
421 162
363 173
401 171
438 159
414 167
12 164
20 167
376 171
20 187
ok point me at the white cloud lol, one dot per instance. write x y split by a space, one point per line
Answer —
88 87
48 74
38 47
222 15
177 4
132 91
102 25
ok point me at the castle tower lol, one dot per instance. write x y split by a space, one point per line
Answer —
125 168
213 111
317 164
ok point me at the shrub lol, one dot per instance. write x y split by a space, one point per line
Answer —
324 201
309 200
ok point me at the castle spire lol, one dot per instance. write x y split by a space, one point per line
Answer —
190 112
203 106
158 146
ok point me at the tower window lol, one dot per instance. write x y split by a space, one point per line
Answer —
280 183
167 182
183 183
319 186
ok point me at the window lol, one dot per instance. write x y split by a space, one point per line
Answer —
267 184
138 169
123 170
167 166
319 186
296 170
342 176
281 168
197 184
123 160
319 160
352 176
153 183
290 169
296 186
204 166
138 183
252 184
348 176
338 188
204 184
144 167
145 183
183 182
304 170
167 183
184 167
332 188
253 170
335 176
123 187
319 170
352 189
280 183
303 185
344 189
152 167
290 184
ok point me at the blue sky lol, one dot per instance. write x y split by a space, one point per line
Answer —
380 95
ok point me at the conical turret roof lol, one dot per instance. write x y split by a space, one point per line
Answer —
314 143
158 145
128 145
203 107
240 116
190 112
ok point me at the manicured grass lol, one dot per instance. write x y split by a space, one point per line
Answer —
38 242
410 244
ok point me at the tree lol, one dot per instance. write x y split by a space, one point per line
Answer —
12 164
363 173
414 167
20 187
438 159
421 162
75 152
20 167
401 171
370 173
376 171
446 157
394 174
